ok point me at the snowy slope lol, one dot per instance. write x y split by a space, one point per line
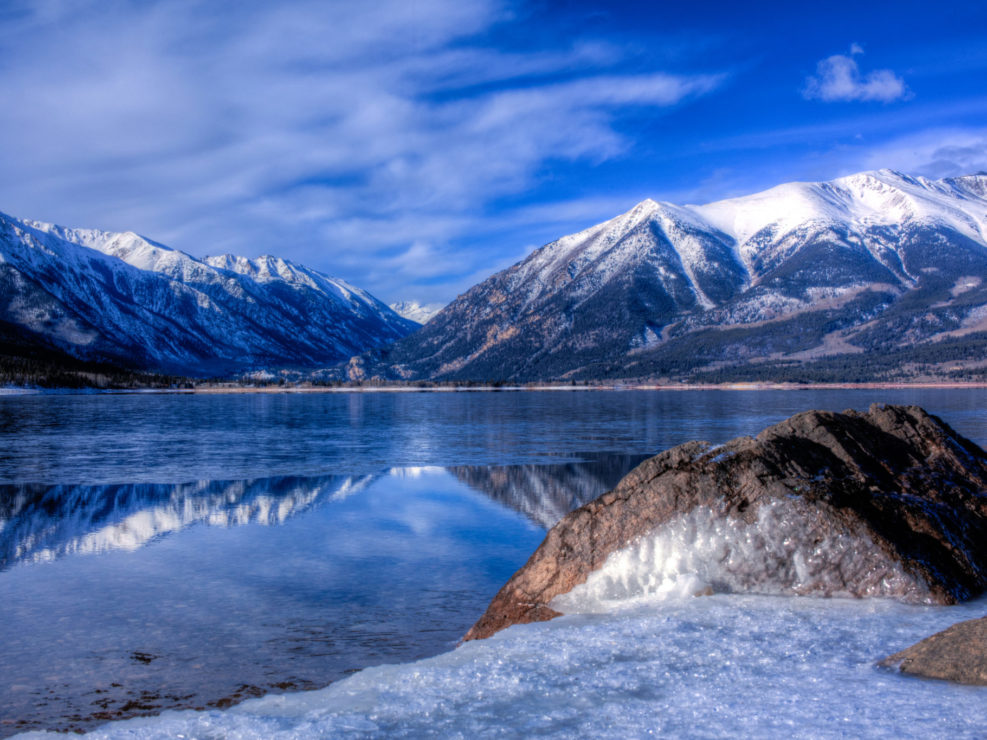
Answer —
124 298
418 312
759 229
861 201
620 298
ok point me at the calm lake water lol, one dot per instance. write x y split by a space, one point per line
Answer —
171 551
178 438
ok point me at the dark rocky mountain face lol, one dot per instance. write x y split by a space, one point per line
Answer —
776 284
889 503
120 298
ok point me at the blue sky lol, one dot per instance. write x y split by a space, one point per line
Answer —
413 147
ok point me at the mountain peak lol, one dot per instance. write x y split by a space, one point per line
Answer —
418 312
648 209
123 298
801 270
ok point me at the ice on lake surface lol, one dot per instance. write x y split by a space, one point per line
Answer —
175 551
92 439
718 666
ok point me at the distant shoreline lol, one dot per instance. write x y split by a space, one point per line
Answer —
541 388
613 387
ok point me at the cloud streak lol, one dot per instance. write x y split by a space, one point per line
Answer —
331 133
944 152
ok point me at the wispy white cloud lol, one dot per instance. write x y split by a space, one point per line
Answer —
331 133
838 78
934 153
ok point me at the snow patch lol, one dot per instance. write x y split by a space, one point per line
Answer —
788 549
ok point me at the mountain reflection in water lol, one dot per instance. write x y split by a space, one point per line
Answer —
41 523
546 493
129 600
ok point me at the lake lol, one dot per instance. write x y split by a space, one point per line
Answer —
192 551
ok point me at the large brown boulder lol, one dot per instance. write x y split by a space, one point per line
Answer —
889 503
956 654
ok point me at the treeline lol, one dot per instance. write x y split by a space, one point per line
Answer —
30 360
44 372
299 380
960 359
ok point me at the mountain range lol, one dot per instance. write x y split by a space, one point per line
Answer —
875 275
121 298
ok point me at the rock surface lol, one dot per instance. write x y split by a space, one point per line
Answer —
958 654
890 503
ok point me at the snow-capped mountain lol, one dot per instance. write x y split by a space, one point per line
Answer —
878 261
124 298
417 312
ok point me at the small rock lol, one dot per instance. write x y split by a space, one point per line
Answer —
957 654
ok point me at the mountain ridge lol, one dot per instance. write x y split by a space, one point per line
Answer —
123 298
416 311
798 271
874 276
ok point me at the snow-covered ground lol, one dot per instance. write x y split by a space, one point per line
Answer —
638 654
718 666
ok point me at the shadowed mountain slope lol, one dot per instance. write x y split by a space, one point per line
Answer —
124 299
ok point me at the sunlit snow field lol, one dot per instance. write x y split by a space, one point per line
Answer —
163 552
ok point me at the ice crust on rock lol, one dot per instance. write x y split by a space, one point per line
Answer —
886 503
787 549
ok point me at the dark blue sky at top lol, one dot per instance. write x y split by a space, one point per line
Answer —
413 147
